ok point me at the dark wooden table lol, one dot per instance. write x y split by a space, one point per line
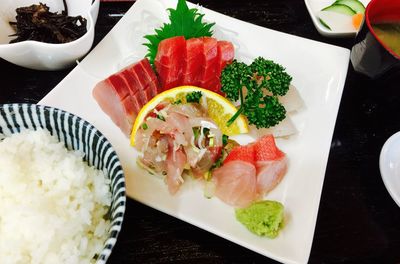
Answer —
358 222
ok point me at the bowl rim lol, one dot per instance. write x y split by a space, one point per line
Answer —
118 201
90 22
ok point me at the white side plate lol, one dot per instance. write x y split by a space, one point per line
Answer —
314 6
389 165
319 72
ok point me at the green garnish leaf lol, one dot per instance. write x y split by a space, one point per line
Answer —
193 97
257 86
145 126
183 22
177 102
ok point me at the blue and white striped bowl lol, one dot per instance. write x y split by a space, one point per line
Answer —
76 134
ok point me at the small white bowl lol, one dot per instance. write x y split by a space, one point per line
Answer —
314 6
389 165
46 56
76 134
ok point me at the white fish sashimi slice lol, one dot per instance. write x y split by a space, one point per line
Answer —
283 129
337 22
292 100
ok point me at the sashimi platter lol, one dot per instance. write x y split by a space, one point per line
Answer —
218 122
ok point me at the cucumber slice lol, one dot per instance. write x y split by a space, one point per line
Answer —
353 4
339 8
336 22
324 23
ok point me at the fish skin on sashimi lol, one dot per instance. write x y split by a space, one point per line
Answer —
169 61
270 165
243 153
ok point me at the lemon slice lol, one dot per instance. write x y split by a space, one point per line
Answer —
218 108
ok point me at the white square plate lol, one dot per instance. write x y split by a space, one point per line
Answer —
319 71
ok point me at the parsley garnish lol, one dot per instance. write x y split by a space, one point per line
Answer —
183 22
193 97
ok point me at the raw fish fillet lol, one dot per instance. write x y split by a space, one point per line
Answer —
112 95
236 183
225 55
249 172
210 66
123 94
271 164
169 61
193 67
175 163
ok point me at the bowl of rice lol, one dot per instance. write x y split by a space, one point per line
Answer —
62 188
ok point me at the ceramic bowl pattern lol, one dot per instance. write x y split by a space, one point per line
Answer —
76 134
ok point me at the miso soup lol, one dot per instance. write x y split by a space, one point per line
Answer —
389 34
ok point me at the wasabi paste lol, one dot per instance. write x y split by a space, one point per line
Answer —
264 218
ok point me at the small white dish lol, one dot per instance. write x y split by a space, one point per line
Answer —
389 165
314 6
46 56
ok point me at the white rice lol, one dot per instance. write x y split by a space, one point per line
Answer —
52 203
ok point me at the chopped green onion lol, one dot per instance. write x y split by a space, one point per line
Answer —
211 143
145 126
161 117
225 139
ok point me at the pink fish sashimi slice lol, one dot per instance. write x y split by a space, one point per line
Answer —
271 164
112 95
210 61
193 66
225 55
176 160
169 61
236 183
269 174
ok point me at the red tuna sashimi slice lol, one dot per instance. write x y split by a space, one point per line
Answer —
271 164
193 67
169 61
114 99
236 183
210 55
225 55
